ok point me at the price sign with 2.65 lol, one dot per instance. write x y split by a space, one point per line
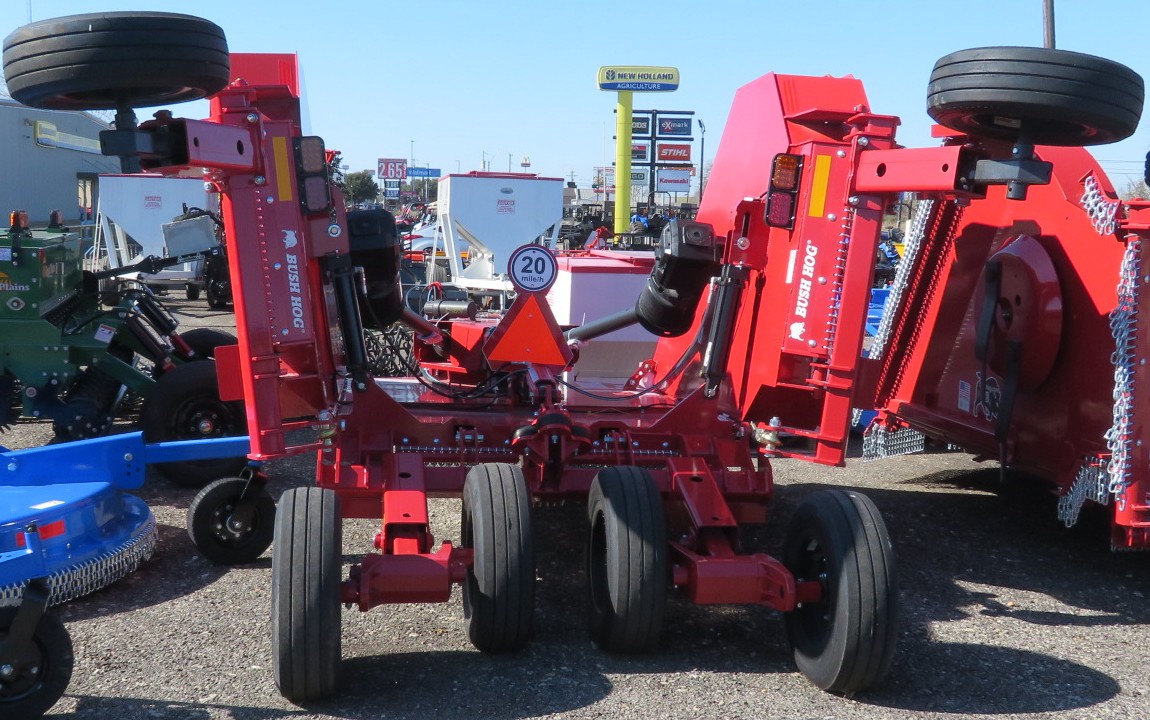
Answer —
392 169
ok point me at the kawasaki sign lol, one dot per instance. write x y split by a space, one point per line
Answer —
674 181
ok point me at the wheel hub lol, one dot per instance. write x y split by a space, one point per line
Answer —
226 527
18 679
205 424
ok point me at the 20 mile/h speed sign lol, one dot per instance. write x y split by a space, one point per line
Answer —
532 268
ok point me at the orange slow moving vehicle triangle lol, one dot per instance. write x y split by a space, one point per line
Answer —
528 333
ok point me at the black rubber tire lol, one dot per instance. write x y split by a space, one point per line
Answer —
306 552
192 292
11 404
627 572
204 341
185 405
32 696
844 643
210 528
499 593
217 295
96 61
81 418
1044 95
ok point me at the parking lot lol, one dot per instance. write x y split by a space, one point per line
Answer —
1005 613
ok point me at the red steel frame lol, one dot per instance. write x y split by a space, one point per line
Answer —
389 446
795 298
1002 343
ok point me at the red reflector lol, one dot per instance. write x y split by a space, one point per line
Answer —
780 209
315 197
47 532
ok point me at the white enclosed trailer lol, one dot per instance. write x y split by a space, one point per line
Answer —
131 214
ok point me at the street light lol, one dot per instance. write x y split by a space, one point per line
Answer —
702 156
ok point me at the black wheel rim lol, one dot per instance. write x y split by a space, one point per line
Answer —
203 418
597 580
224 528
471 587
813 621
28 673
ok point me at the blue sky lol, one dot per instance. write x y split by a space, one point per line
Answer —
454 82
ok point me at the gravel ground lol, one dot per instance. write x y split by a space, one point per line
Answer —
1005 614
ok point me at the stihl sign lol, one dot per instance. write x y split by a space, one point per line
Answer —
674 151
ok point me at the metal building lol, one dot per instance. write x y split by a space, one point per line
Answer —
52 160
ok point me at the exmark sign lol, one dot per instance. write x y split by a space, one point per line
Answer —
638 79
674 126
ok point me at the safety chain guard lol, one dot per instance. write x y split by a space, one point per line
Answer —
1103 212
86 577
911 250
880 441
1124 328
1090 483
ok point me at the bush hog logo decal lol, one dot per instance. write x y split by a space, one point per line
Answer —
290 240
797 330
293 287
808 272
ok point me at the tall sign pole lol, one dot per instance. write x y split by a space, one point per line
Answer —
623 106
626 80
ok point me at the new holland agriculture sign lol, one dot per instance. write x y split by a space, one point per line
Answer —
640 79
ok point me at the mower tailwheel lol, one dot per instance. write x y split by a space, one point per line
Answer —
33 680
845 641
104 60
185 405
231 521
499 594
305 594
626 560
1042 95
